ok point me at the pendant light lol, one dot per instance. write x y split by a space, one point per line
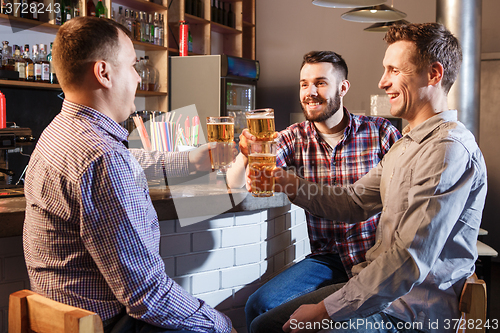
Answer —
384 26
374 14
347 3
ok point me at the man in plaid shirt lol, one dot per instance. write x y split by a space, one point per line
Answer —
332 147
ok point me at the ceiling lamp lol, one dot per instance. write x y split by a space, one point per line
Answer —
384 26
347 3
374 14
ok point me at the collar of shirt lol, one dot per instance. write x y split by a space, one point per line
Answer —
99 119
352 126
420 132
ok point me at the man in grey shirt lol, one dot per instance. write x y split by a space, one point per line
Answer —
430 188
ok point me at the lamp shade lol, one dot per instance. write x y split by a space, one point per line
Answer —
384 26
374 14
347 3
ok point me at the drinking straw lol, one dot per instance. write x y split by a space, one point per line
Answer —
143 134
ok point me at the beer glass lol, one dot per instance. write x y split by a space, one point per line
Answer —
261 162
220 132
260 123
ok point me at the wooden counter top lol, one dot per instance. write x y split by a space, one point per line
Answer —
201 198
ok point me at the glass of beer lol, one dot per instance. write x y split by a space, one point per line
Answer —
260 123
220 141
261 162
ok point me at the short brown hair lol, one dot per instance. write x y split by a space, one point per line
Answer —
434 43
80 42
335 59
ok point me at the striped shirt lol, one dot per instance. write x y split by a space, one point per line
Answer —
364 143
91 233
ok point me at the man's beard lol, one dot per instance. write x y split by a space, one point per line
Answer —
332 107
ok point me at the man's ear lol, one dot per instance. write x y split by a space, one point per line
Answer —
101 73
344 87
436 73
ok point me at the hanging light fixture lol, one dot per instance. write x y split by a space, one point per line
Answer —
347 3
384 26
374 14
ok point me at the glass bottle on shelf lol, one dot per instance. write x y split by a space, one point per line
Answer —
220 15
34 11
224 14
200 8
100 11
156 30
147 28
153 75
119 17
23 9
188 8
19 63
138 28
30 67
144 74
52 75
7 60
37 63
190 42
45 63
76 8
230 18
67 10
161 31
91 9
128 22
58 13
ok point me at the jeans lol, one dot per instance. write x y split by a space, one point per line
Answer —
273 320
305 276
127 324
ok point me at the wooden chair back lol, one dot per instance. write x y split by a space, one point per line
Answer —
473 306
31 312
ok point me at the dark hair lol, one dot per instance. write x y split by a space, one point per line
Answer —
82 41
335 59
434 43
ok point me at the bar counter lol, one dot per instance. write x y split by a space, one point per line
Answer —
190 199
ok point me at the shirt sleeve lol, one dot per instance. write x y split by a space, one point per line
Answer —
159 164
388 136
441 183
120 231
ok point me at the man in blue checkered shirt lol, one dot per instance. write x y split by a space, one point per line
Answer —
91 233
332 147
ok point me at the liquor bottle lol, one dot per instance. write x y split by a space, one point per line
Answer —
190 42
200 9
34 13
76 8
7 60
100 11
219 13
230 18
24 11
144 27
120 18
137 26
188 8
19 63
52 75
224 14
194 7
45 63
58 14
67 11
161 31
7 7
37 63
30 67
156 29
91 8
128 21
153 75
150 29
213 12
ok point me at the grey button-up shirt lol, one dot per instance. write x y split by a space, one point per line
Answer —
431 188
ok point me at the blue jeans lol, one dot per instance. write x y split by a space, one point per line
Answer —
305 276
273 320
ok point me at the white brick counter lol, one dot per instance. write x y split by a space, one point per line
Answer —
222 260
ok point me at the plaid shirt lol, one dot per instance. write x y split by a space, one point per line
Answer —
364 143
91 233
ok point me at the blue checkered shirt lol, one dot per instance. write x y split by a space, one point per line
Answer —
91 233
364 143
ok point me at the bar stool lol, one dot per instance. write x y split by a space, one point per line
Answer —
31 312
473 305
